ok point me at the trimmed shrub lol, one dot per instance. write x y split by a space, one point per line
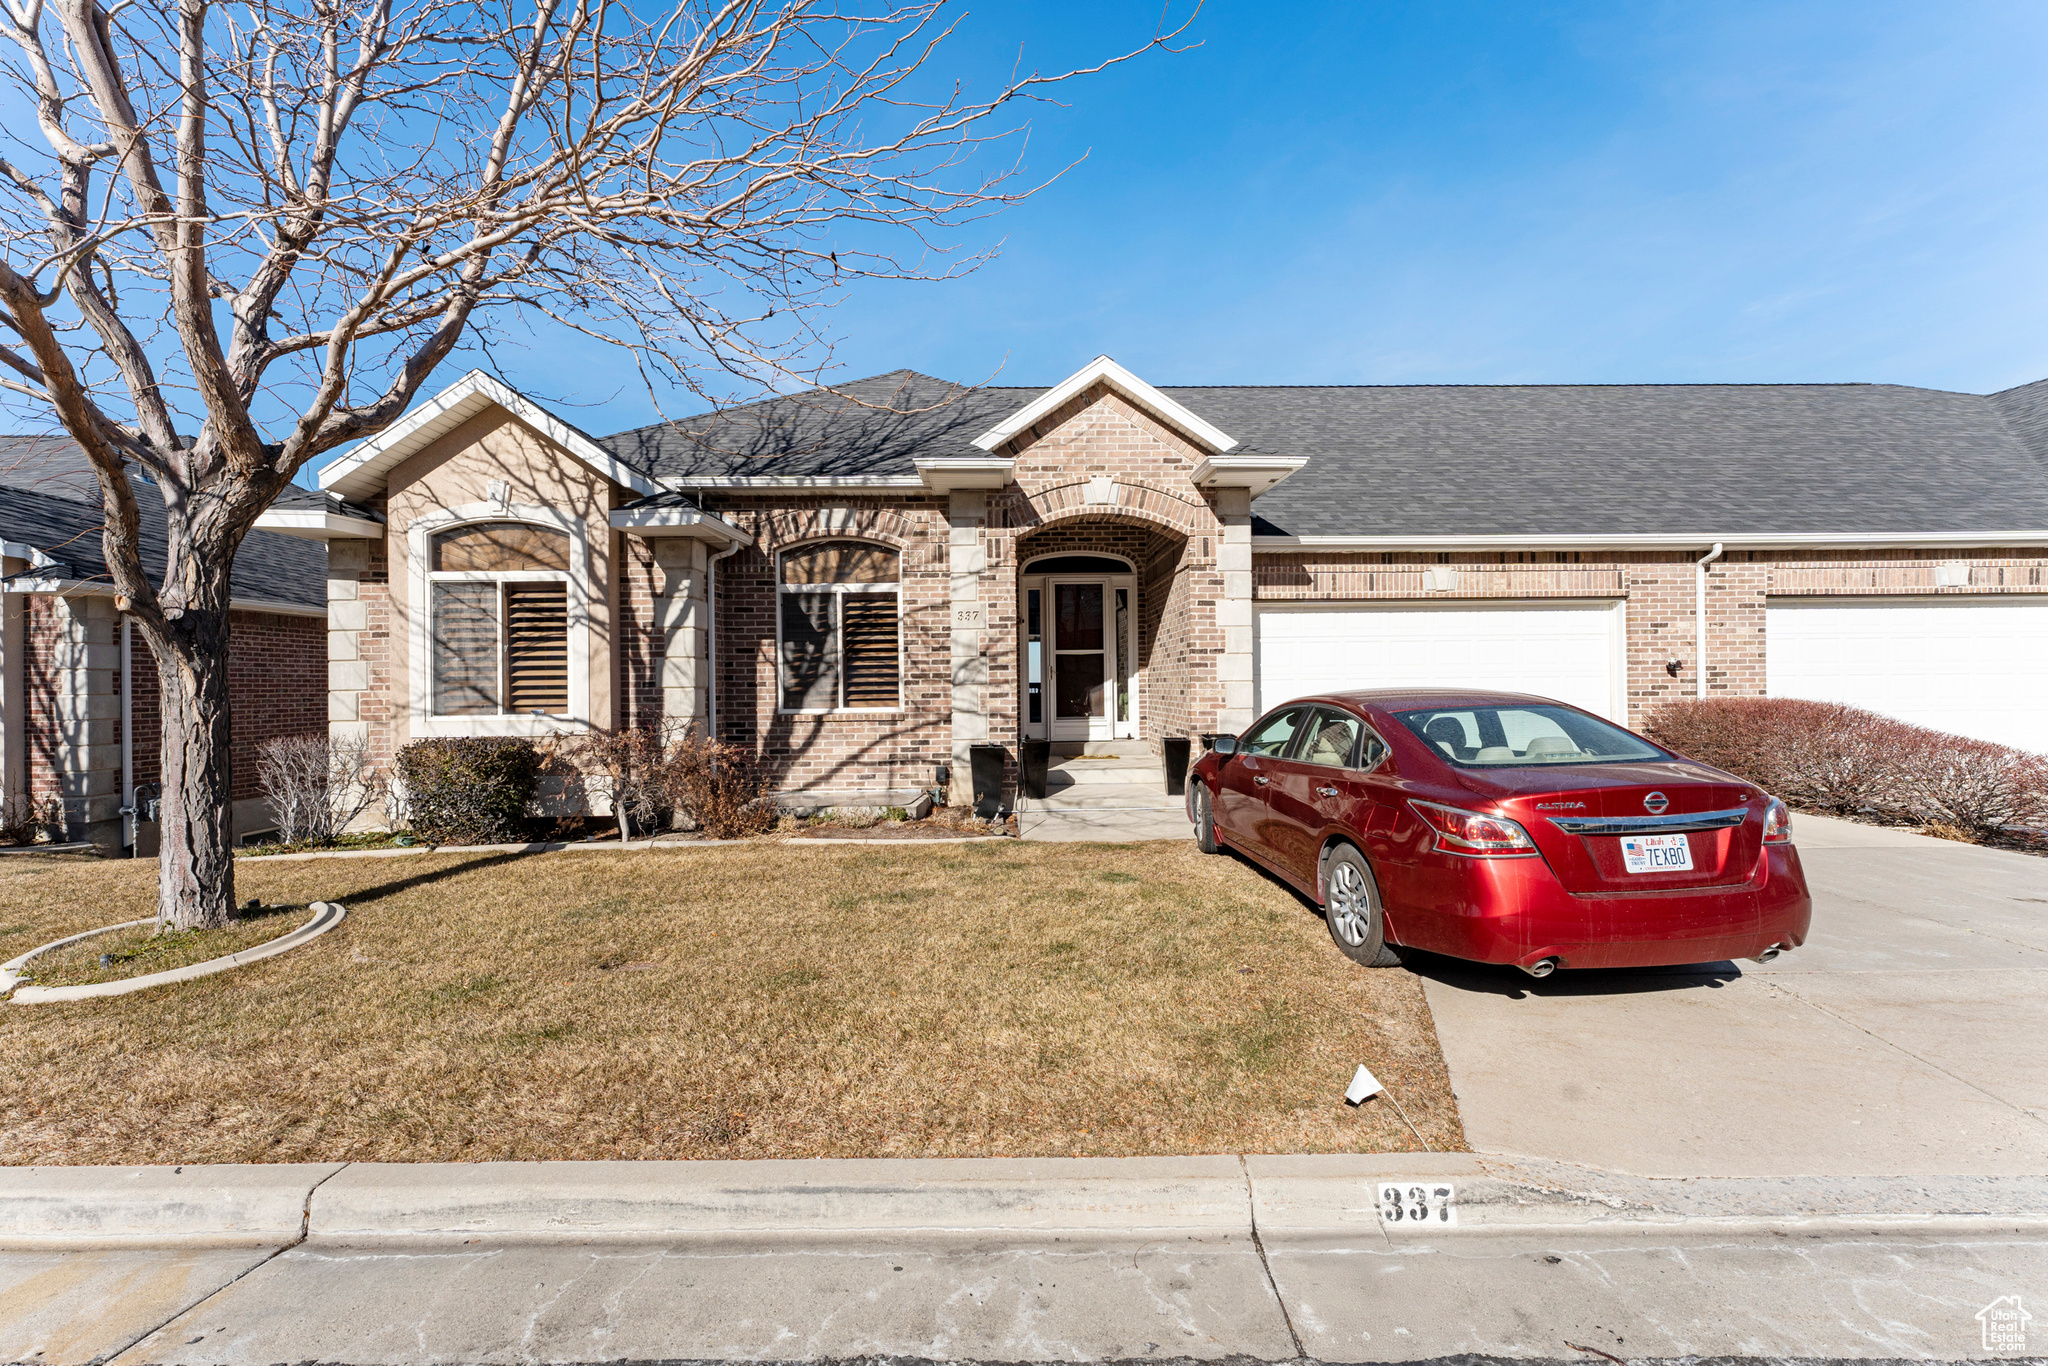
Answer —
628 767
718 787
1830 757
470 790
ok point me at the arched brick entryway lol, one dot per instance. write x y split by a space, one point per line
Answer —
1168 570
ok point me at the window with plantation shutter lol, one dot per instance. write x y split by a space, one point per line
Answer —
537 647
498 600
839 628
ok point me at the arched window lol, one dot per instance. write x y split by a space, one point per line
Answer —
499 620
840 614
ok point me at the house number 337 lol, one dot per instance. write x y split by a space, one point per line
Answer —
1416 1204
967 616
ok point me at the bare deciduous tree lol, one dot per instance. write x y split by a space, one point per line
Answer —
317 785
249 232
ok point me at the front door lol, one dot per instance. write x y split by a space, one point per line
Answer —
1083 660
1080 651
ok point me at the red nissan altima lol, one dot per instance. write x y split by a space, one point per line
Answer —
1504 829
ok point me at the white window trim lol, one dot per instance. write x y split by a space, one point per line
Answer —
419 544
840 589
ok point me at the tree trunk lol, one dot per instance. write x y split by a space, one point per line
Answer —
196 861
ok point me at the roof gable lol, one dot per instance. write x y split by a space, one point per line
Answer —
1102 370
362 472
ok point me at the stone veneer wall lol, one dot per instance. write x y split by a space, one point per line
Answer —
360 626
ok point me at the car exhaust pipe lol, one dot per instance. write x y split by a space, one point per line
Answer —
1768 954
1541 968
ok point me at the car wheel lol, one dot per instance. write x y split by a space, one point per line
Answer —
1351 908
1205 820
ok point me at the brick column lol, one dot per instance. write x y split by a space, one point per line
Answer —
681 617
1234 608
966 562
83 710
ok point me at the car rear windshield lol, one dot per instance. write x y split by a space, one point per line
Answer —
1519 735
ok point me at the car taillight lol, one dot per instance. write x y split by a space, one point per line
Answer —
1777 823
1473 832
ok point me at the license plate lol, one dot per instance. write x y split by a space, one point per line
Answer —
1657 853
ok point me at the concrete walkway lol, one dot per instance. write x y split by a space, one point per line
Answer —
1104 797
1904 1038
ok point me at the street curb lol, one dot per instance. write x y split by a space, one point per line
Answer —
514 1201
200 1206
1295 1198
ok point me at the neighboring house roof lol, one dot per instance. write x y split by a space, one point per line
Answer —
1415 461
44 506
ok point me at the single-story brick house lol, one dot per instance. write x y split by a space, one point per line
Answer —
860 586
78 688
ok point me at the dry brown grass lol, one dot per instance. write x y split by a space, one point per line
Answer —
143 950
744 1001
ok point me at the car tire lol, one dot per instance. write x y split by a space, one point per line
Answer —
1352 910
1205 820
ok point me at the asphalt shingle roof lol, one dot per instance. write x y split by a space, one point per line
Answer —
1488 460
44 502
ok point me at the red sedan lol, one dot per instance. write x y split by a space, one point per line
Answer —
1503 829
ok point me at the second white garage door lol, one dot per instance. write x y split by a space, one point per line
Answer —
1972 666
1570 650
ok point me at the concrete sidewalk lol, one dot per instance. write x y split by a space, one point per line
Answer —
1201 1257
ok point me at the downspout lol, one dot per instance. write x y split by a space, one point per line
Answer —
1699 646
128 828
711 638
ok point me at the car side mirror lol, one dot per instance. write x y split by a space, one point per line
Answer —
1226 745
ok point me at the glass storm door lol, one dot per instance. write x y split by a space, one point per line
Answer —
1083 661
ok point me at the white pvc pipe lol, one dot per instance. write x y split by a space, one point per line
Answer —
1699 645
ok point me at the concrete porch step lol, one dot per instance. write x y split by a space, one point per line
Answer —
1107 796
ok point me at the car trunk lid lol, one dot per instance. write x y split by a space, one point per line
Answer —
1584 818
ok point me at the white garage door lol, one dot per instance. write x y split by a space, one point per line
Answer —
1974 666
1568 650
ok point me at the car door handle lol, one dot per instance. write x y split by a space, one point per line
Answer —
1326 792
1261 779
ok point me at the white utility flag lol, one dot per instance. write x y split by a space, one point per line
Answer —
1364 1087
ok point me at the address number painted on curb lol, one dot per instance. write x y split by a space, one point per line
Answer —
1416 1203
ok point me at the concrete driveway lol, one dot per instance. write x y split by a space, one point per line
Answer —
1906 1038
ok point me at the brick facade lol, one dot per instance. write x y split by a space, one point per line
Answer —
1660 589
73 668
892 751
1099 475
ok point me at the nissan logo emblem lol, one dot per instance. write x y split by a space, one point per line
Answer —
1655 803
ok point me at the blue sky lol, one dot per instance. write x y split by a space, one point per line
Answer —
1497 193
